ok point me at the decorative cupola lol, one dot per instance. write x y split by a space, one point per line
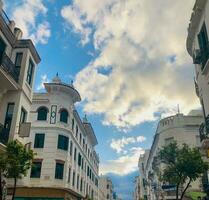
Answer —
56 79
58 86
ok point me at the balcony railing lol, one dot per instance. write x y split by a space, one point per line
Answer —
204 129
4 134
9 67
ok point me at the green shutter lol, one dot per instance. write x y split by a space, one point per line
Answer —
64 116
63 142
59 171
39 140
36 170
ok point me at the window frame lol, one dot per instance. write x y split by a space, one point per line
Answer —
23 115
32 173
63 142
36 146
30 72
64 118
59 174
42 118
18 58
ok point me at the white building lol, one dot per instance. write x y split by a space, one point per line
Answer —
142 175
18 60
106 187
66 165
198 48
179 128
137 188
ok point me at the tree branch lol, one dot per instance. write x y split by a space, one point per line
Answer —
185 189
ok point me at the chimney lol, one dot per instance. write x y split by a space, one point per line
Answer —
11 25
18 33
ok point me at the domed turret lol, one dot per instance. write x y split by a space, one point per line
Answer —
56 79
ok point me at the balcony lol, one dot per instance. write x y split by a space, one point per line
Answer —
204 129
8 66
4 134
201 57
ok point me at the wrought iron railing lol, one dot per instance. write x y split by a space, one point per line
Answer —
4 134
204 129
9 67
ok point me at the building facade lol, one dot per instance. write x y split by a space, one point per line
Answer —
137 188
18 61
106 187
66 165
198 48
179 128
142 177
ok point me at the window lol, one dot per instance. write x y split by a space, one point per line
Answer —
203 44
2 48
39 140
36 169
42 114
59 170
75 153
79 159
96 182
108 196
77 182
69 174
30 72
62 142
71 148
73 123
76 131
108 186
82 163
80 138
87 170
73 183
23 116
9 115
81 185
64 116
18 61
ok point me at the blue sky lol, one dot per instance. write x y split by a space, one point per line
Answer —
128 60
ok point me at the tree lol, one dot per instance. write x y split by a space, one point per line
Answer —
183 165
3 164
19 161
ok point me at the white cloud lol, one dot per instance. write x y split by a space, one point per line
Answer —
42 34
142 46
44 79
119 144
123 165
25 16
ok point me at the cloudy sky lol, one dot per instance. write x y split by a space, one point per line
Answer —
128 60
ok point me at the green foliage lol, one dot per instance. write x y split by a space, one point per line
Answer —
15 162
195 195
182 165
19 159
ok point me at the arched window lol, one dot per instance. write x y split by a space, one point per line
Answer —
64 116
42 114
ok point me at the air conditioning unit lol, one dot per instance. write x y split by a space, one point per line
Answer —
197 57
